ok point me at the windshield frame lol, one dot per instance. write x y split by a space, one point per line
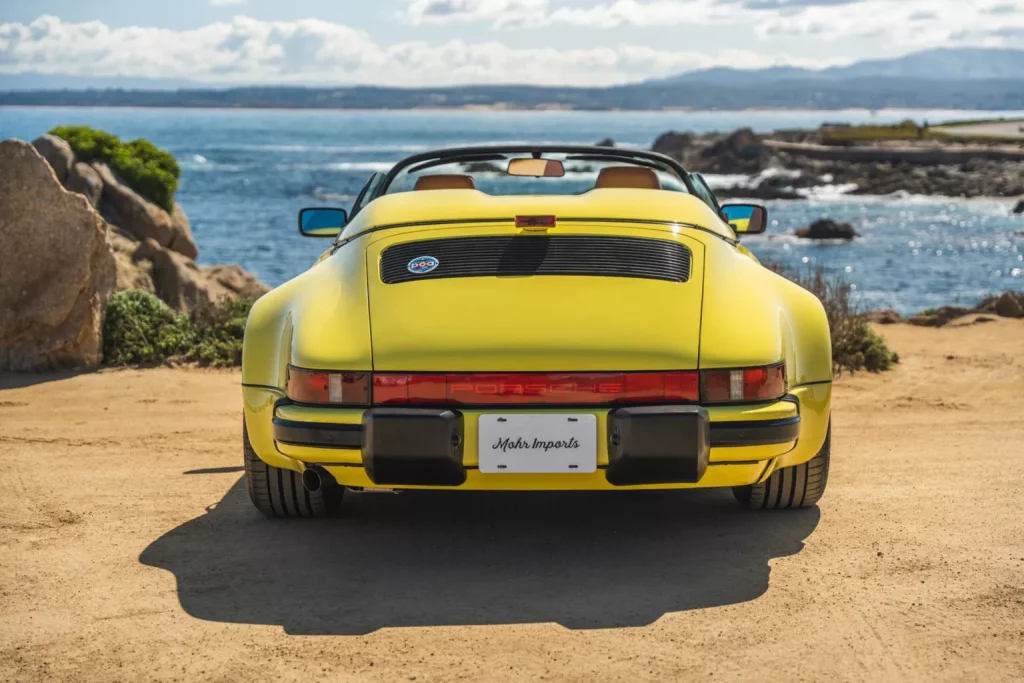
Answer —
455 154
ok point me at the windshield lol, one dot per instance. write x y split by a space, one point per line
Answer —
488 173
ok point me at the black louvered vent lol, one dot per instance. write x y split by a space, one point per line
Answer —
595 255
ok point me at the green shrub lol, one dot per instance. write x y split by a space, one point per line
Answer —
140 329
218 333
88 143
147 169
855 346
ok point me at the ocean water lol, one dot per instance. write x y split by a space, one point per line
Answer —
246 173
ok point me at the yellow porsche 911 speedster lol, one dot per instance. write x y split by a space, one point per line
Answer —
535 318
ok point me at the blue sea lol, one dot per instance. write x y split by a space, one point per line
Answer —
245 174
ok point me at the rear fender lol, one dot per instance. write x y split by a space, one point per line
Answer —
319 319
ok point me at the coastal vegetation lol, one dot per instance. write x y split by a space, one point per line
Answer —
855 346
144 167
140 329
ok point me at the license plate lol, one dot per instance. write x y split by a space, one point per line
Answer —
537 444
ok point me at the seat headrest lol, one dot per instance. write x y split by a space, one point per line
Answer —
627 177
445 182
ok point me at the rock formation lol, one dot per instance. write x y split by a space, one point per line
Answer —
827 229
56 271
65 249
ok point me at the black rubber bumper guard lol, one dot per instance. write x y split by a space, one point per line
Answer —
646 445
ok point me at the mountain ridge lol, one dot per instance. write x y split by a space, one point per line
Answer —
970 78
934 64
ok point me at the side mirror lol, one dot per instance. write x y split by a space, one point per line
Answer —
322 222
746 219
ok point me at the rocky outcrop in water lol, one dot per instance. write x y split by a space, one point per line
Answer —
65 249
56 269
926 167
827 229
1005 305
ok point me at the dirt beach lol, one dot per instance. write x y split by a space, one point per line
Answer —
129 550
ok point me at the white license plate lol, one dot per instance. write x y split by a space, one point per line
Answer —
538 444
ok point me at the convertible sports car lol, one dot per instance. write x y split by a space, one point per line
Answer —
535 317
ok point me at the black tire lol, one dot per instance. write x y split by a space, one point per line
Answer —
800 486
279 492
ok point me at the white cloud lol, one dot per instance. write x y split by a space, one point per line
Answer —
312 51
909 23
217 3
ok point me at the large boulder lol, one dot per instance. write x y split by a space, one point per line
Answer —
127 209
55 267
827 229
1019 209
185 286
83 179
182 241
673 144
56 151
739 152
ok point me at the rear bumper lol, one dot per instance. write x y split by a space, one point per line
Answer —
350 436
744 445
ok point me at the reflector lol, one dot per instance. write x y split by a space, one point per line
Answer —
749 384
336 388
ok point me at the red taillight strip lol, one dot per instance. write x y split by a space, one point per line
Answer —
576 388
738 385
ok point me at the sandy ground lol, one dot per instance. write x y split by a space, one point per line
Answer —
129 550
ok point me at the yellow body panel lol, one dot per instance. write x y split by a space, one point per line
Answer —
731 313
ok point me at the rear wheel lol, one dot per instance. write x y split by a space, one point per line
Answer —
800 486
279 492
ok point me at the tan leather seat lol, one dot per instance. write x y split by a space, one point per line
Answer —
445 182
635 177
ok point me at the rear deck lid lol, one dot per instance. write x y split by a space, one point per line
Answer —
596 298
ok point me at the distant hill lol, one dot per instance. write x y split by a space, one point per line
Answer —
937 64
934 79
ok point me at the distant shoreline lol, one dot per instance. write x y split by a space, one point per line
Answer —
1008 115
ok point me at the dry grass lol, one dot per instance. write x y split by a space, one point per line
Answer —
855 346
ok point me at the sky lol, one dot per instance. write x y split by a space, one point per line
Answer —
446 42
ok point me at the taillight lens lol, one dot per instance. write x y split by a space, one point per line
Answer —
524 389
575 388
746 384
336 388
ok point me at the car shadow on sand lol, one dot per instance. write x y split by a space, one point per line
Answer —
583 560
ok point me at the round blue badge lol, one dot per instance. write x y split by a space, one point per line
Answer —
422 265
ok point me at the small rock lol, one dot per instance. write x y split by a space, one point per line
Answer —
1008 306
884 317
85 181
57 152
924 320
827 229
1019 209
607 142
983 319
946 313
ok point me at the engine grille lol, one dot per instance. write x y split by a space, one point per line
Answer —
594 255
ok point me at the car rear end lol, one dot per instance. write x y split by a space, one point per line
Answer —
505 359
